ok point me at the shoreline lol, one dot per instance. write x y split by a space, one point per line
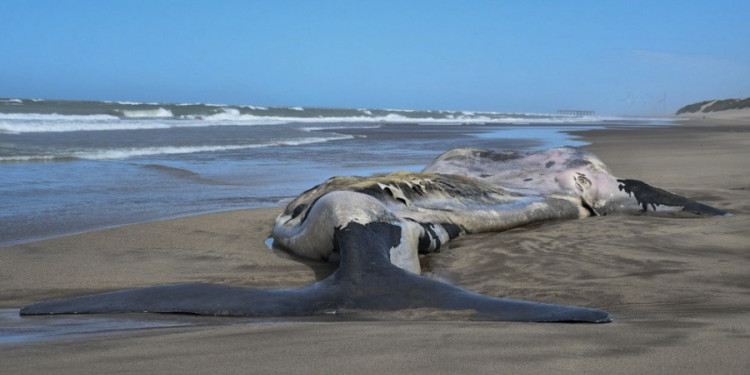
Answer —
107 193
38 228
678 288
123 225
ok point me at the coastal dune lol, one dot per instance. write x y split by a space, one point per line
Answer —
678 288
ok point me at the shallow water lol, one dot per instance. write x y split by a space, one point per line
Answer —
82 166
15 329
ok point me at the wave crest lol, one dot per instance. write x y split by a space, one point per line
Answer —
149 113
135 152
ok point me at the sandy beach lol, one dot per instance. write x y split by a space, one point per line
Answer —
679 288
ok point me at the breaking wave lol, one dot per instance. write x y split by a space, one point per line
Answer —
30 115
149 113
134 152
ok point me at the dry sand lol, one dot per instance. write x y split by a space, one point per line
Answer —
679 288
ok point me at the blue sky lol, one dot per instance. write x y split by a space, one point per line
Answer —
615 57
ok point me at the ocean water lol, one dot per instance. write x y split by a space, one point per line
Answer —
74 166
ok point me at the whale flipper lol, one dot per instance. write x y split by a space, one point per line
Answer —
365 280
647 195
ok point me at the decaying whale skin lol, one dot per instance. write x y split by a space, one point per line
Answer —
468 191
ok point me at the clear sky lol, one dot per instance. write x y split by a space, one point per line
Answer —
615 57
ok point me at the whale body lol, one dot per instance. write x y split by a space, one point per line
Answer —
377 226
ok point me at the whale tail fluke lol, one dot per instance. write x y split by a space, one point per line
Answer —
365 280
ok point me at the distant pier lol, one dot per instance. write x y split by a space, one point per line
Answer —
575 112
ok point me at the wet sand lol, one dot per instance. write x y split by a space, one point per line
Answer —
679 288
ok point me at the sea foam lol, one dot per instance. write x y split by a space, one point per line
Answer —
126 153
68 123
233 114
54 117
154 113
135 152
